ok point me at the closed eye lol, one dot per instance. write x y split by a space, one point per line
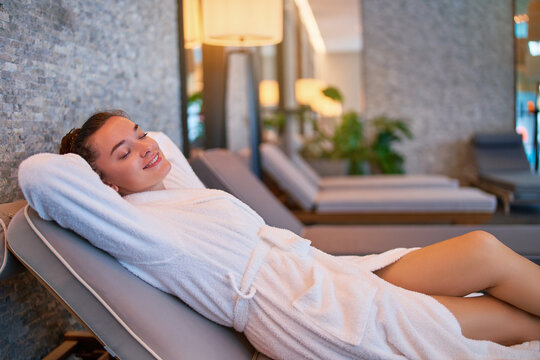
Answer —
125 155
143 135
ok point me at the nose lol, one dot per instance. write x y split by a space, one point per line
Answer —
145 148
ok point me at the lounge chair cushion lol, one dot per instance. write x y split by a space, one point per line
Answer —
515 181
369 239
370 181
288 176
500 152
406 200
9 266
388 181
221 169
134 319
387 200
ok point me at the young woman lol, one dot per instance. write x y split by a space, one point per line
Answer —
291 300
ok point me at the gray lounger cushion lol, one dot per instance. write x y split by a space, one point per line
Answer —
406 200
221 169
372 200
9 265
133 319
367 181
516 181
387 181
369 239
500 152
502 163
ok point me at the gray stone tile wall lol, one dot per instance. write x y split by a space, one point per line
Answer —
60 61
446 65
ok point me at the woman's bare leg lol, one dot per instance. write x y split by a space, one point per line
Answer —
487 318
474 262
469 263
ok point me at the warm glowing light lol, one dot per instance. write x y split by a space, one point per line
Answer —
242 22
192 24
521 130
325 106
307 18
521 18
531 106
269 93
307 90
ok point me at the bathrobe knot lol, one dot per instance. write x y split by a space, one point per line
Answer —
244 296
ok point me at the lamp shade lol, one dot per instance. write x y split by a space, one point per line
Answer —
269 93
242 22
192 24
306 90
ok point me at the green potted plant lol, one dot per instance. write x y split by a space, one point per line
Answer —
342 150
348 142
387 132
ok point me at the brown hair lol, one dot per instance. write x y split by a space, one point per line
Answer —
76 140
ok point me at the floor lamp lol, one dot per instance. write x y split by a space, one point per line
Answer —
244 23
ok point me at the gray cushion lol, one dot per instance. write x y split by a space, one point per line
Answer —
499 152
288 176
515 181
369 239
406 200
387 181
371 181
221 169
9 265
388 200
133 319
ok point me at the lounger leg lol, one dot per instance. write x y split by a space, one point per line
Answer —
81 343
506 204
62 351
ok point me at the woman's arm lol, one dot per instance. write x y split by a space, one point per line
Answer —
64 188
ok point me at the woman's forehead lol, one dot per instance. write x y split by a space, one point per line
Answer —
115 130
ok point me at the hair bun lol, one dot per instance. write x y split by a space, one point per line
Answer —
67 144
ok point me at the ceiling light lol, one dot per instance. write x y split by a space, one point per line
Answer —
306 15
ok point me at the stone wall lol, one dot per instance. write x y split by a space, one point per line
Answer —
60 61
446 65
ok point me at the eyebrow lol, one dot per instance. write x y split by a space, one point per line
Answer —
123 141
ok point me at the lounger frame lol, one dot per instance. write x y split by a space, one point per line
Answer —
311 217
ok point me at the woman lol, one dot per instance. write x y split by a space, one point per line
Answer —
291 300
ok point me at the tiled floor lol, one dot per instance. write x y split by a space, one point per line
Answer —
519 214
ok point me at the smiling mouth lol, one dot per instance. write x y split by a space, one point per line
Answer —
153 162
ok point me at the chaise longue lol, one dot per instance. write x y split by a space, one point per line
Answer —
133 320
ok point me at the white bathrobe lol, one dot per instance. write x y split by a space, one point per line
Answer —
216 254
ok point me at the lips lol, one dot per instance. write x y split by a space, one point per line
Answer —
155 160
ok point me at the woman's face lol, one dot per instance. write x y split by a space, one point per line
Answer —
128 159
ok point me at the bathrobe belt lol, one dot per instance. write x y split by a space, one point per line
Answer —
271 237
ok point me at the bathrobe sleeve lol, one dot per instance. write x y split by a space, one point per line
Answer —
64 188
181 175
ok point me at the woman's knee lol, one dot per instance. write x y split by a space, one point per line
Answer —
483 244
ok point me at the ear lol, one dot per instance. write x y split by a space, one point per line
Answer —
112 186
